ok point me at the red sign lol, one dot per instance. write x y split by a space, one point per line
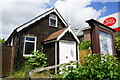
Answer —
117 29
109 21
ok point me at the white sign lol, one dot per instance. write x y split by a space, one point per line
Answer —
112 21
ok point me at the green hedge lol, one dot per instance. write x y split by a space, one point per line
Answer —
93 69
86 44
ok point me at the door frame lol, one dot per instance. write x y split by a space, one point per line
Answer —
68 42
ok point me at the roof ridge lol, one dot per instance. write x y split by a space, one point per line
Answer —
36 17
40 16
43 14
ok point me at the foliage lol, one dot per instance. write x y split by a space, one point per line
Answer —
2 41
117 43
21 73
86 44
44 74
37 60
93 69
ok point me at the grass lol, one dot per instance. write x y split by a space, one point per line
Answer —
21 73
44 74
24 73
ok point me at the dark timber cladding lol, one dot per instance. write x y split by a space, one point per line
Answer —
46 38
95 28
40 29
68 37
49 50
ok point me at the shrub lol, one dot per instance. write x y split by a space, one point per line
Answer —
86 44
2 41
93 69
38 60
117 43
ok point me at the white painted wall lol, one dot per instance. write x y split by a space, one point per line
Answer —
115 15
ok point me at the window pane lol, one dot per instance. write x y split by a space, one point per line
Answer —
29 47
52 22
106 43
30 39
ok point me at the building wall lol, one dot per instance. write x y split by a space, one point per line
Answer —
87 34
39 29
80 37
68 37
49 50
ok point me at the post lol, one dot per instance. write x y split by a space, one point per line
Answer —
0 61
102 38
55 56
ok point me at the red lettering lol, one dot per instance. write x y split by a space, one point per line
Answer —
109 21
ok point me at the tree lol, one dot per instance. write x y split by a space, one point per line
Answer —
2 41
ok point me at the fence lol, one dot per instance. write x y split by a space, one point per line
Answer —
84 53
6 60
48 68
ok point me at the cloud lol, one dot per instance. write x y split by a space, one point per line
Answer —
77 12
105 1
16 13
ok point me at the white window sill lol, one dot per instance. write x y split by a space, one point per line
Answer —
28 55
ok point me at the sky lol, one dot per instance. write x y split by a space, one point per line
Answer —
14 13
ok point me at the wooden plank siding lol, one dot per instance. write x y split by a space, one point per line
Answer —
68 37
39 29
7 60
49 50
83 53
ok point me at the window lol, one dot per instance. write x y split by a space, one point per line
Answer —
29 45
106 45
53 20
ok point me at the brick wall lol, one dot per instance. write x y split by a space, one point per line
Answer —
87 34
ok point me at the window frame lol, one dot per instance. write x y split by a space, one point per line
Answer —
107 38
51 17
30 42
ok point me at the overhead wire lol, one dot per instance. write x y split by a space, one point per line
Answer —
66 13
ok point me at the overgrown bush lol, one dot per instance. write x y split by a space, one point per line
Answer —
117 43
38 60
94 69
86 44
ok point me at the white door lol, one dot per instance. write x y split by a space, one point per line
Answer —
67 51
